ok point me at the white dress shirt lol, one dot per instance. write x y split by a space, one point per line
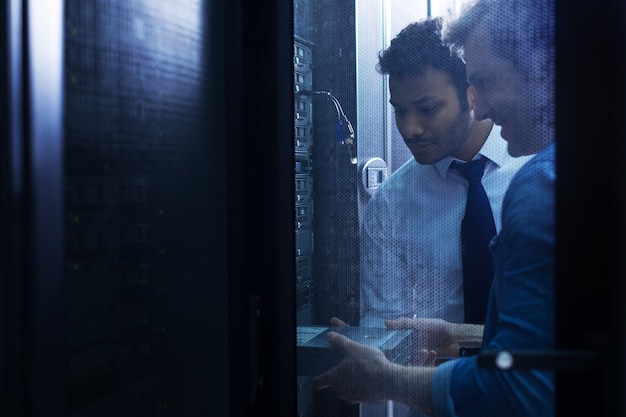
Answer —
411 236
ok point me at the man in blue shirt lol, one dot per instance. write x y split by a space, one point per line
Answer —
508 46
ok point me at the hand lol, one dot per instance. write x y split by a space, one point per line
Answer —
424 357
337 322
438 335
360 377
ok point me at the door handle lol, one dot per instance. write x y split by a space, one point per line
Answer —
373 173
555 360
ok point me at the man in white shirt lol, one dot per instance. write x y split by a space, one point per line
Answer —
411 263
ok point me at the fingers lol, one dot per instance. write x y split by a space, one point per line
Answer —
431 358
324 380
337 322
341 343
424 357
409 323
342 392
336 341
400 323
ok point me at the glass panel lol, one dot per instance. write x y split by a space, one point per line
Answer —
338 89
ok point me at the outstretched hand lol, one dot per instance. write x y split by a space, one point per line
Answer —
360 377
424 355
430 335
366 376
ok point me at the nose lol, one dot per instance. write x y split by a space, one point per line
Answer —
482 110
412 125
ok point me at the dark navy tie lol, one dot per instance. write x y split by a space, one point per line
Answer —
477 230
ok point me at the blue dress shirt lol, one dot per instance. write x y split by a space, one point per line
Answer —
521 307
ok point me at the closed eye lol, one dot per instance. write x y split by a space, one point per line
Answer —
429 110
399 112
481 83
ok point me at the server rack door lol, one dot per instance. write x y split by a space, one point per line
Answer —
114 273
145 218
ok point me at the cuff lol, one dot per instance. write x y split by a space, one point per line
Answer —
440 389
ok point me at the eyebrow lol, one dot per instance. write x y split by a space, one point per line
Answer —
421 100
479 75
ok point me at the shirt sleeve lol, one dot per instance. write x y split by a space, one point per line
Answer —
383 268
440 388
521 315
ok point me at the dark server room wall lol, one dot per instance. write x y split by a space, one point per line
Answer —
145 211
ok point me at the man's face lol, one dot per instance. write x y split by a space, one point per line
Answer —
502 94
428 115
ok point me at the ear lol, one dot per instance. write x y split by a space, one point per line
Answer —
471 97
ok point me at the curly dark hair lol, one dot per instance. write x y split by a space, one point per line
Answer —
420 46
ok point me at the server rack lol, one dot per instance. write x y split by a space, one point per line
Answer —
304 204
114 227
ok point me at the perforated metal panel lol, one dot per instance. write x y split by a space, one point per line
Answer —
143 190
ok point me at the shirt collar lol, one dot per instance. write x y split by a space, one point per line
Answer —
494 149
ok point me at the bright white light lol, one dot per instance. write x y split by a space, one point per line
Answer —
504 360
46 76
172 28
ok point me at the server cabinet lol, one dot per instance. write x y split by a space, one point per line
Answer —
143 186
327 273
114 273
